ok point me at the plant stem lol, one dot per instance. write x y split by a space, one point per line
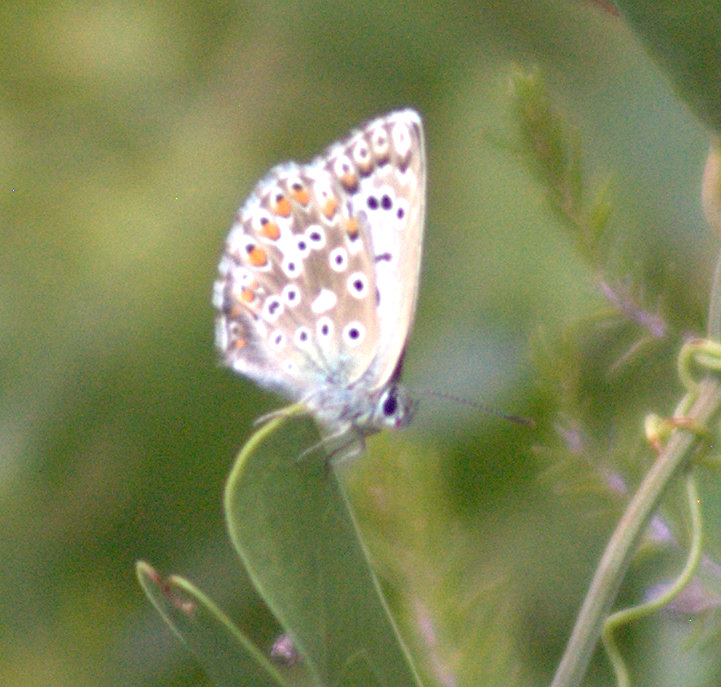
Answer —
627 615
619 551
714 309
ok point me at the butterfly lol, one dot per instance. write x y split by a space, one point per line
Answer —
317 285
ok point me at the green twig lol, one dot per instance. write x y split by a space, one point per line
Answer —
699 408
628 615
714 309
619 551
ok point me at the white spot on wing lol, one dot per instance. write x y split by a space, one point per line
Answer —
324 301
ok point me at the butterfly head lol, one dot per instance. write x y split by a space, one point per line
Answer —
395 407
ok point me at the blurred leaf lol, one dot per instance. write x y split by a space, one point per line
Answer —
229 657
359 674
685 39
293 530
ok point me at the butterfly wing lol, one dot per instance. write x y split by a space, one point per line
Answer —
296 288
317 284
385 172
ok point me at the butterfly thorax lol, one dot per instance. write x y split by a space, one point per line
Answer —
341 409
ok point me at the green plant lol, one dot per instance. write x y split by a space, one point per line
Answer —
293 531
270 536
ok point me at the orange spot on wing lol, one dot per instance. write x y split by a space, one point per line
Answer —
236 311
329 207
270 230
247 295
352 227
300 194
281 206
257 257
349 181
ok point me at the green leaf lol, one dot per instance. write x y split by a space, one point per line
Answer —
228 656
292 528
358 674
684 37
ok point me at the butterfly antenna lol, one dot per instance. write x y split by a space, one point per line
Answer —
478 405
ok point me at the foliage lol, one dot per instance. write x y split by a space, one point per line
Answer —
559 287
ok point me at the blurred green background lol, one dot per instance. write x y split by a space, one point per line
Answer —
129 134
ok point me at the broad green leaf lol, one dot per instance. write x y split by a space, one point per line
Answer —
292 528
684 37
229 658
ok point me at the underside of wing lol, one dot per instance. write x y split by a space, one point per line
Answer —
384 168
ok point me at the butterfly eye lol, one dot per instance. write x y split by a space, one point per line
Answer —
390 404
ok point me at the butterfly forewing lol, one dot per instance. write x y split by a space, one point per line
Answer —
393 201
